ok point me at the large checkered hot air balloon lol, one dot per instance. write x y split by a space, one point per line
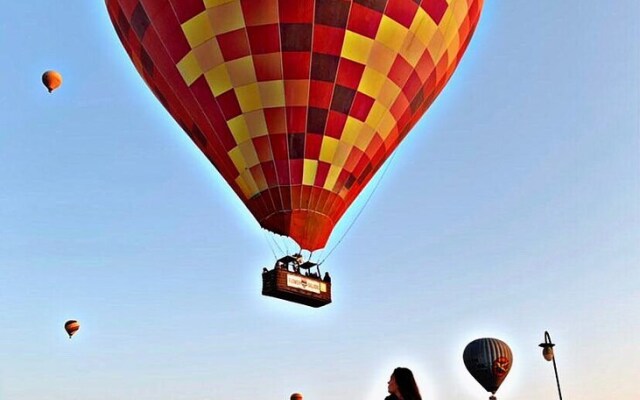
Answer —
297 103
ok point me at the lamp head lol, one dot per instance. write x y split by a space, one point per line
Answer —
547 347
547 352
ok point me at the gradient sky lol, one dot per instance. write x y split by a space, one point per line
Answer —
512 208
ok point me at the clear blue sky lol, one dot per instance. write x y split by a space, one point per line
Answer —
512 208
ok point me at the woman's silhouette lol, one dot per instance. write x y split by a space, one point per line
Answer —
402 385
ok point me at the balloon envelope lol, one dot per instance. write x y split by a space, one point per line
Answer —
297 103
71 327
51 80
489 361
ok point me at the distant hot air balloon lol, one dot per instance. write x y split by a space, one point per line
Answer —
52 80
297 103
71 327
488 360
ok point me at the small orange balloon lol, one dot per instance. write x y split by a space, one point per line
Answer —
52 80
71 327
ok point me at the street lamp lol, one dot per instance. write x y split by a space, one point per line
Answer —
547 353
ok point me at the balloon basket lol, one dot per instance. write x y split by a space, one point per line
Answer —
295 287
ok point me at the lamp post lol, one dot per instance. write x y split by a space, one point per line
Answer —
547 353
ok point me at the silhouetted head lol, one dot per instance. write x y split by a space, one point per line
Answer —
296 396
403 386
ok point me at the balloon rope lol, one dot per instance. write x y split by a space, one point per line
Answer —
384 171
266 237
286 246
284 243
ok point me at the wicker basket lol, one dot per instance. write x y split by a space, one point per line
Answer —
286 285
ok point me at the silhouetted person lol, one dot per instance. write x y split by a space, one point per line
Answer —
326 278
402 385
296 396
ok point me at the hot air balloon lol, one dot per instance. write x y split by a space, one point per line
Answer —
71 327
489 361
297 103
51 80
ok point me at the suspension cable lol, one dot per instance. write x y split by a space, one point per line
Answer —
384 171
266 237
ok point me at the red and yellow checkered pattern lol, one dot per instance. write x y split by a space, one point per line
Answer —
297 103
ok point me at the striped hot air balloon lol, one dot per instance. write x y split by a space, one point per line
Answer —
71 327
297 103
489 361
